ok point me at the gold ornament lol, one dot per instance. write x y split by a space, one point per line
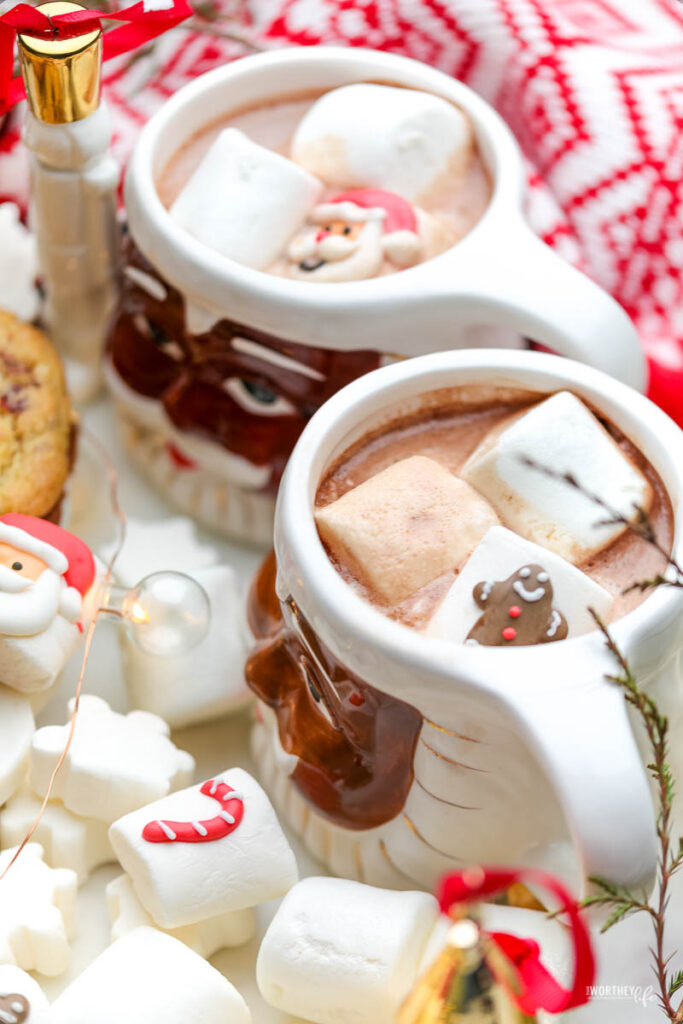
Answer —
468 983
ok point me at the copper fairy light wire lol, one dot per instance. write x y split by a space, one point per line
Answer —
120 515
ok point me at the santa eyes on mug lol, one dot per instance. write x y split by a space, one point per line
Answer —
255 398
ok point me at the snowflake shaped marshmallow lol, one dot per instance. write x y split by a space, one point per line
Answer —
116 763
37 905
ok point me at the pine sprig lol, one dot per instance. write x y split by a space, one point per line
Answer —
621 901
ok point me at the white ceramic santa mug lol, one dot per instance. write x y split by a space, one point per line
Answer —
524 754
499 276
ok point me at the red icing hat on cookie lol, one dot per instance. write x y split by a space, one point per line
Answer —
49 542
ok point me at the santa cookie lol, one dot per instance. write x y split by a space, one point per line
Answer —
518 611
361 233
16 733
47 593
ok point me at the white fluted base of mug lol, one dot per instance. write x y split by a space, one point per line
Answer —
237 513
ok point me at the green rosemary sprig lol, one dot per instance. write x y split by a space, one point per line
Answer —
618 899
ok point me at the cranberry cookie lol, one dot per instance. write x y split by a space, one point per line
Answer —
35 421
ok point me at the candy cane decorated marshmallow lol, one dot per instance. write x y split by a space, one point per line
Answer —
205 851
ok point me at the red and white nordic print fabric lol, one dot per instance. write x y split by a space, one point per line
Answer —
593 90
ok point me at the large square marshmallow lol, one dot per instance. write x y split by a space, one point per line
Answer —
203 852
378 136
563 435
567 593
206 682
405 526
245 201
147 977
115 763
340 952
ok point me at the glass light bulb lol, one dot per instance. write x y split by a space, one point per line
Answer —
167 613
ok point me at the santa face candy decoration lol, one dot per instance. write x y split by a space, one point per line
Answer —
450 662
47 591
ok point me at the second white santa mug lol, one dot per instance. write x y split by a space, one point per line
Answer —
231 362
467 754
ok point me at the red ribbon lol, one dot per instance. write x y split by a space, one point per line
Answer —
141 27
539 990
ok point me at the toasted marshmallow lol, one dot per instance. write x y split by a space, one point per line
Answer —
378 136
339 952
204 852
563 435
148 976
205 938
405 526
562 592
245 201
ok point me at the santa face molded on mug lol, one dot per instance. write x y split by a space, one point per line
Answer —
479 753
214 405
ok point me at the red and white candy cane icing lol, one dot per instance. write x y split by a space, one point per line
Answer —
225 822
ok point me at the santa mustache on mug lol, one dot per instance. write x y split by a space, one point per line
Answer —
362 233
47 584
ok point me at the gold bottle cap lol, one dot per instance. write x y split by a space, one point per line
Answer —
61 76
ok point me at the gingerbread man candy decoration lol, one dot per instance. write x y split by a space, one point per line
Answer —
14 1008
517 611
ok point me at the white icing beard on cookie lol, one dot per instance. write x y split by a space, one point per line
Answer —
29 606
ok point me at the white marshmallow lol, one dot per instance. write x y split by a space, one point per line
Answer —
181 882
405 526
115 763
68 840
245 201
205 938
18 265
563 435
14 981
148 977
339 952
37 906
500 554
159 545
378 136
207 681
16 732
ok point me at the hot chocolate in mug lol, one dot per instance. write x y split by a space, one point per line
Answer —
424 754
216 367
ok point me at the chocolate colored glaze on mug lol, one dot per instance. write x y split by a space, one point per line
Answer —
354 744
155 354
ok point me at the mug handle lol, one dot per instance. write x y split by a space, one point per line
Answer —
582 736
507 277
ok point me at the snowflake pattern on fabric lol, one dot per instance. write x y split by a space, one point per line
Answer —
593 90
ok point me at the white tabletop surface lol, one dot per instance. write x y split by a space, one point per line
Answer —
624 957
